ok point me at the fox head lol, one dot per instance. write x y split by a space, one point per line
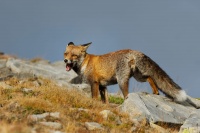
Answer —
74 55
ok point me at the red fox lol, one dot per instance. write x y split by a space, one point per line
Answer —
117 67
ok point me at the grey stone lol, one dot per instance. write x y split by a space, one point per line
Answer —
93 126
27 90
36 83
53 131
55 114
192 123
118 121
5 86
54 125
155 108
3 63
55 71
38 117
79 109
46 70
105 114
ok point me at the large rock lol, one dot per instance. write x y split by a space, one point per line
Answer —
156 108
55 71
39 69
192 123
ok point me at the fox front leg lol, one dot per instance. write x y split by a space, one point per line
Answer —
95 90
104 94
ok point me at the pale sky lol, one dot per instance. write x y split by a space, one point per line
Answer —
168 31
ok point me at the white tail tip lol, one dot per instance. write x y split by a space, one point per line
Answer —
181 96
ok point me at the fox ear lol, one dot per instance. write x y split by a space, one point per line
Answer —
85 46
70 43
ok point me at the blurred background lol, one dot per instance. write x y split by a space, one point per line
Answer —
167 31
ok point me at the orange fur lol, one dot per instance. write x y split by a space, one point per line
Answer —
117 67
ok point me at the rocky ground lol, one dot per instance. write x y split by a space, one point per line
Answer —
37 94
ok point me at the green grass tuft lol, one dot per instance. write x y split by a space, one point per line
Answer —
116 100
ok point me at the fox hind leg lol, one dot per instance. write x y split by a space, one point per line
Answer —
123 81
139 76
153 86
124 88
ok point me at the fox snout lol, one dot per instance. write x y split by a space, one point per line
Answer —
69 64
67 61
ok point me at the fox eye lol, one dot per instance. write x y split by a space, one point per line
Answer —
75 55
65 53
83 51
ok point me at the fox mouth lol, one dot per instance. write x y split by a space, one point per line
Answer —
69 66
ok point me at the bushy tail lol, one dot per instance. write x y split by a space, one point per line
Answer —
167 85
164 83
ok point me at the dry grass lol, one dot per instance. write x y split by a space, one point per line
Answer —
16 105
